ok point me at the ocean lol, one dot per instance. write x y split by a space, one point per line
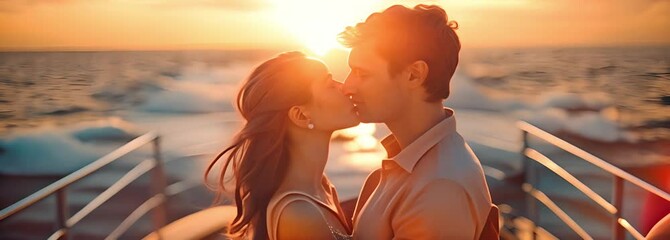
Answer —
62 110
631 80
65 87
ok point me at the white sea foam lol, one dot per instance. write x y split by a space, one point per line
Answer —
200 72
560 100
44 153
574 101
199 89
185 101
52 150
549 119
109 129
465 94
592 125
598 127
548 111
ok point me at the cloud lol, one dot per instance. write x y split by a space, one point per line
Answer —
236 5
13 6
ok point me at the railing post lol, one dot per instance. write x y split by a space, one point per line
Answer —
617 201
529 178
158 187
62 213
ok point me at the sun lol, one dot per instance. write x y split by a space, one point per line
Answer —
316 23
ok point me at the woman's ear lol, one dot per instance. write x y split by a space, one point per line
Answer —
418 72
299 116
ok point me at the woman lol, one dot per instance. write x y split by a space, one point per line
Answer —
291 105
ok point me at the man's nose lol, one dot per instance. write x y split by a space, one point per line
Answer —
349 86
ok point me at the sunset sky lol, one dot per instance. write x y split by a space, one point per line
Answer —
253 24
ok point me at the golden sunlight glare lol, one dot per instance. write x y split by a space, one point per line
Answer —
358 130
362 137
316 23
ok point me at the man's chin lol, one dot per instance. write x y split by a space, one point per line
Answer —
363 118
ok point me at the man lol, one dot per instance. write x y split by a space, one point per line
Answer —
432 185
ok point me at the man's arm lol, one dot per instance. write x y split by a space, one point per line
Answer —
442 210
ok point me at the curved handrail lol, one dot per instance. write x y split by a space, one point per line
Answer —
631 229
77 175
139 212
602 164
540 196
128 178
149 204
540 158
58 188
613 208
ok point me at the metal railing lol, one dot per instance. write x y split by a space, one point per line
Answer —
161 191
59 188
619 224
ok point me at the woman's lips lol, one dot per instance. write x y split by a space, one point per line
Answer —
353 100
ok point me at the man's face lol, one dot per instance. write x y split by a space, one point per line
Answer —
378 96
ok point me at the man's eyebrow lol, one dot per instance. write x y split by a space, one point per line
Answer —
358 68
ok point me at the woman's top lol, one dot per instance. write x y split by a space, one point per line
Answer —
282 199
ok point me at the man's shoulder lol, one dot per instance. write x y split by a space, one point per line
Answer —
443 186
453 159
453 162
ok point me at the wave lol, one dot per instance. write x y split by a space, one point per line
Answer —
65 110
464 94
43 153
572 101
185 101
588 116
194 90
56 151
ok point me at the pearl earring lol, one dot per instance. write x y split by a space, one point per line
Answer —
310 125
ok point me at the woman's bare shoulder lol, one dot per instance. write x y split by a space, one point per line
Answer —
301 219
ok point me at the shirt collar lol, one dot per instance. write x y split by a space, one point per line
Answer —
410 155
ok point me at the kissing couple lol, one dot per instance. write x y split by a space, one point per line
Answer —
431 185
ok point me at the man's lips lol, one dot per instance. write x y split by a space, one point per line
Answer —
356 108
357 104
354 100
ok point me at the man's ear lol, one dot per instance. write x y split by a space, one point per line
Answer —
418 72
299 116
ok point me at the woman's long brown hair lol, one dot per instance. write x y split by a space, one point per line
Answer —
258 153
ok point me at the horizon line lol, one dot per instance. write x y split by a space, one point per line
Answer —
216 47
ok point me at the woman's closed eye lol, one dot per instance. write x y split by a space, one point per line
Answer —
334 84
339 86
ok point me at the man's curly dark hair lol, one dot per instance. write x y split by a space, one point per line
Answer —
403 35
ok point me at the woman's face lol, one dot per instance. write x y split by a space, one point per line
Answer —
330 109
